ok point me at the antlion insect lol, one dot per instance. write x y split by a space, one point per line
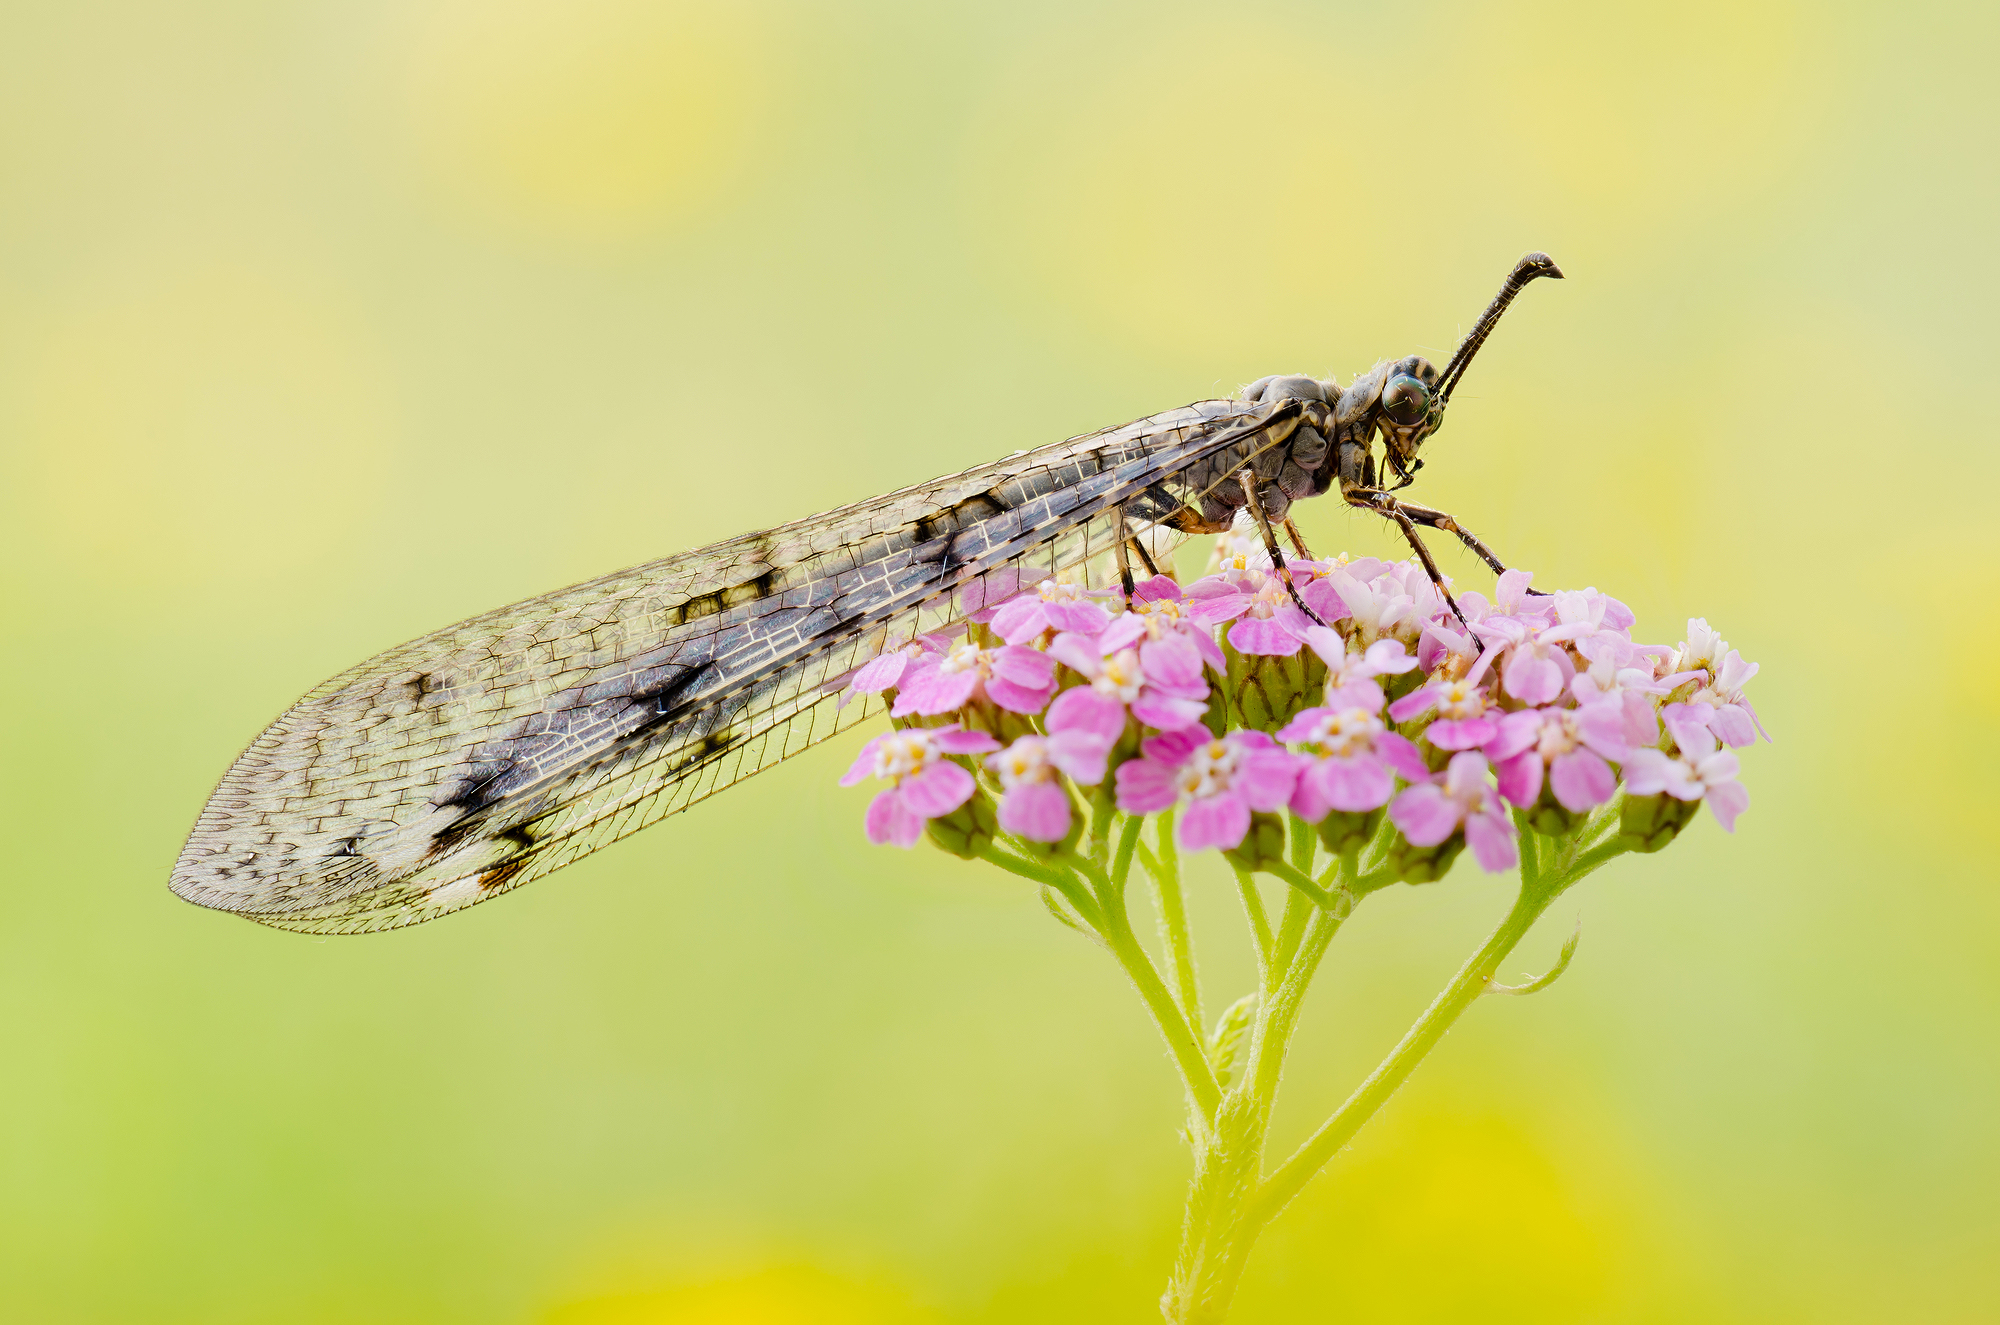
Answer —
463 764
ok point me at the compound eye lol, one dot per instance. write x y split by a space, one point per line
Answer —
1405 401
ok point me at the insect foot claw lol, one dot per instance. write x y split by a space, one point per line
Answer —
1543 981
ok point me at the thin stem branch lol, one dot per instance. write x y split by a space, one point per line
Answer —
1260 924
1184 1040
1174 935
1299 880
1466 987
1061 880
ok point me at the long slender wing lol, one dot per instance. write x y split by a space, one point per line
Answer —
463 764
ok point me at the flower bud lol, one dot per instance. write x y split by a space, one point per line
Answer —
968 829
1342 831
1268 690
1548 816
1415 864
1647 823
1265 842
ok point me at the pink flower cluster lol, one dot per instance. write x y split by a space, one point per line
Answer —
1537 709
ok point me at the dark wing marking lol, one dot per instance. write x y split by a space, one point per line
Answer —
463 764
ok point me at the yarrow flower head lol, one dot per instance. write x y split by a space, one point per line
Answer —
923 781
1051 606
1218 780
1159 679
1412 733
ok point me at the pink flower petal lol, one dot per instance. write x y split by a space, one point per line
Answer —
1359 782
1082 755
864 763
1581 779
1263 637
1265 778
1212 821
1733 725
1602 726
891 822
1123 633
1309 796
1172 661
1323 598
1646 772
1082 709
1418 701
1158 589
1172 748
1021 619
1403 756
1532 677
1145 787
1205 645
953 741
1461 734
1491 837
1017 698
1425 814
1162 713
1520 778
932 690
1028 668
1387 656
1086 617
879 672
1038 811
1517 732
1079 653
1726 802
1305 723
1688 725
939 789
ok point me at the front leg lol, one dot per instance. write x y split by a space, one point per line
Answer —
1403 518
1424 515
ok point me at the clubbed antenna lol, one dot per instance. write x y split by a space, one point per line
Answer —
1527 269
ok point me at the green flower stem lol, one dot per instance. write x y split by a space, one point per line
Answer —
1062 881
1260 925
1128 841
1184 1040
1174 936
1538 890
1215 1242
1299 880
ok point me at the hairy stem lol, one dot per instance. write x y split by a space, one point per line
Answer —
1174 936
1184 1039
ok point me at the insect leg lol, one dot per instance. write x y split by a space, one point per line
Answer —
1439 520
1145 557
1298 540
1424 515
1249 481
1390 509
1119 540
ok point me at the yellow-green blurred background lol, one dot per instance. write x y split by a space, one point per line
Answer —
325 324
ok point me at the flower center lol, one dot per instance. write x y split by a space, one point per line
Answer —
1209 770
1122 676
1265 601
1559 737
903 755
1026 760
1348 732
1461 700
1053 592
965 657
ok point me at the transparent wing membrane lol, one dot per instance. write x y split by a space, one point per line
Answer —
466 763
